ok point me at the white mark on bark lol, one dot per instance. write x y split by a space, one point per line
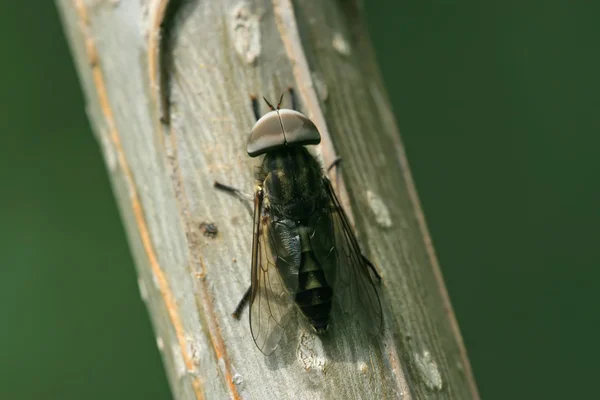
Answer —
379 209
145 7
363 368
155 281
178 360
159 343
143 290
194 351
99 3
237 379
110 155
340 44
245 32
429 370
310 353
108 151
320 86
221 364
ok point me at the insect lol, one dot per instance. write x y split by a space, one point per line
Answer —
304 252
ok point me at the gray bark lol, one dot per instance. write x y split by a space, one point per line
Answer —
167 87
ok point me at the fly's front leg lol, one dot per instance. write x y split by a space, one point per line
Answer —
232 190
293 98
244 197
255 106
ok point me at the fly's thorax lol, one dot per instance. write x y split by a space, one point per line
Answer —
293 182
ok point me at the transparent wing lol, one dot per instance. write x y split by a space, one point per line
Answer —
270 302
353 285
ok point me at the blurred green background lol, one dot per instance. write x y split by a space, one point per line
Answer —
498 107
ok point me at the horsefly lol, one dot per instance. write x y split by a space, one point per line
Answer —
304 252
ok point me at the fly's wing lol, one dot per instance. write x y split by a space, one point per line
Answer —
346 268
270 301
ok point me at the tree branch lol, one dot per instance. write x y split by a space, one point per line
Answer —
167 87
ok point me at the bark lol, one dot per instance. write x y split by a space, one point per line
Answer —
167 86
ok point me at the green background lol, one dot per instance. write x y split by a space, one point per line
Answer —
498 107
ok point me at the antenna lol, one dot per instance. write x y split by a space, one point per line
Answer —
280 100
269 104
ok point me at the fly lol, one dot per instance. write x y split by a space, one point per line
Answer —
304 252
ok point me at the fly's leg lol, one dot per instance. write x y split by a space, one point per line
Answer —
334 164
237 313
370 264
293 98
254 105
244 197
233 191
362 256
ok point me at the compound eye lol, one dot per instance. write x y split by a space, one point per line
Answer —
280 128
298 128
266 135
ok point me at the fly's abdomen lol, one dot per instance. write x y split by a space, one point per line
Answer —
314 295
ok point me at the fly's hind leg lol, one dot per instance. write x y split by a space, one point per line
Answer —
336 164
244 198
237 313
372 267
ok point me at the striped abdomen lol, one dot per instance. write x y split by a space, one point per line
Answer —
314 293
